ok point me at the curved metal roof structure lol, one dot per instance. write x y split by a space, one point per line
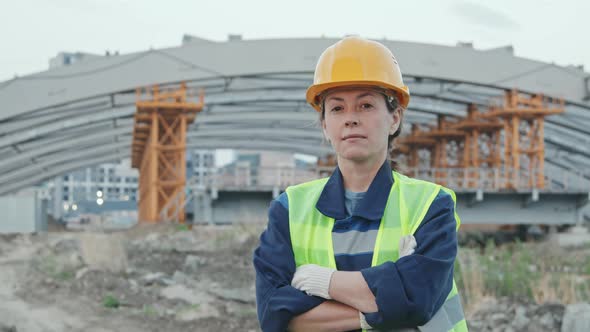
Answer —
79 115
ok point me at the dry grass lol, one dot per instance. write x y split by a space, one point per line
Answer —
539 273
565 288
473 289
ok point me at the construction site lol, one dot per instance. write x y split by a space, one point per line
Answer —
510 135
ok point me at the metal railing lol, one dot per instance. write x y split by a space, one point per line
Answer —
246 177
496 180
458 179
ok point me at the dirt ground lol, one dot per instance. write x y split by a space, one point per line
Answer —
170 278
150 278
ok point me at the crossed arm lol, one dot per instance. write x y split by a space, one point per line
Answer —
350 294
349 290
281 306
328 316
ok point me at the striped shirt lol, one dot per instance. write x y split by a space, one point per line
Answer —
353 238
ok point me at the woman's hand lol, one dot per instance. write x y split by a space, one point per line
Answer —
407 245
313 280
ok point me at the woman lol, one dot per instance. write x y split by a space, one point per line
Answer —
367 248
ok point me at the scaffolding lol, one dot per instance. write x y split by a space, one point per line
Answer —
467 152
481 145
523 121
159 149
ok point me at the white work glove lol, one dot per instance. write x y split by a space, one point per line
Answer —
407 244
364 324
313 280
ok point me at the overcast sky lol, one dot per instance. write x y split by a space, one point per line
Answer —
32 31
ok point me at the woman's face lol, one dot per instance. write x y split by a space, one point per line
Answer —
358 123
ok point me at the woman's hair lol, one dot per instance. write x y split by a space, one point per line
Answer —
392 103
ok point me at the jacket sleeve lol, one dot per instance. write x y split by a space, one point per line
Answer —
411 290
276 300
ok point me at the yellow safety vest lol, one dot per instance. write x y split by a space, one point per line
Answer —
407 204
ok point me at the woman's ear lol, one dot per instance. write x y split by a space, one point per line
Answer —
397 117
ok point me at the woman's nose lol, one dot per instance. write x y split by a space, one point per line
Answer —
351 123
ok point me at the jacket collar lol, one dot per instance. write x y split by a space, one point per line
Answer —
371 207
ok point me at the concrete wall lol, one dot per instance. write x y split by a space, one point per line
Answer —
237 207
514 208
229 207
22 213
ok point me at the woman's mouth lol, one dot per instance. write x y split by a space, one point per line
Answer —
353 136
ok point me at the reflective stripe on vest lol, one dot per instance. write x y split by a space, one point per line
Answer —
407 205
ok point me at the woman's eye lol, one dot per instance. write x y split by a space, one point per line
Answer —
336 109
366 106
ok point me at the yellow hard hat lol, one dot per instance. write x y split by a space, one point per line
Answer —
355 61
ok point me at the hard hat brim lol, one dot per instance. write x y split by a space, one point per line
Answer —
314 91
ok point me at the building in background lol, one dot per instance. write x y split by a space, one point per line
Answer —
200 164
113 186
261 170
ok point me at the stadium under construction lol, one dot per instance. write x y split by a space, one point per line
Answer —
510 135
